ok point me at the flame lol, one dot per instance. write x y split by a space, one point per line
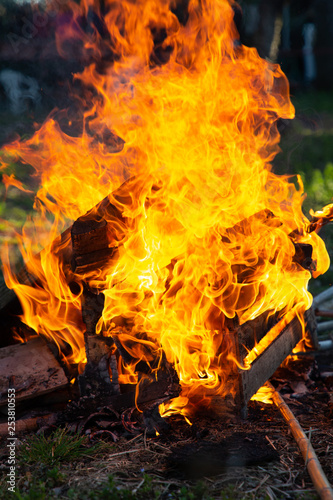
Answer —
10 180
264 395
188 118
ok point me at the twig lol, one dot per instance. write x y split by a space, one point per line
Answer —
284 493
270 493
259 485
145 439
307 449
315 470
139 485
270 442
124 453
164 448
133 439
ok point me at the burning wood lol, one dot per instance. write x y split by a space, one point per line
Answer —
94 244
164 276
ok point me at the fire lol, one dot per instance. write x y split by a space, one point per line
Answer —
264 395
188 118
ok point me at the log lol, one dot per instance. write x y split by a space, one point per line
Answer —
32 370
249 334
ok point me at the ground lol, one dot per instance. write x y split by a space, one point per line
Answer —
217 457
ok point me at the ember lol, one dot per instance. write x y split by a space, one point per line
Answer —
196 236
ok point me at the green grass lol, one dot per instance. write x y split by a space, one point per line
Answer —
60 446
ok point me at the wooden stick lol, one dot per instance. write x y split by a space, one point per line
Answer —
315 470
272 350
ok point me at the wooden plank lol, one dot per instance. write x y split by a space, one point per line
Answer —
31 369
263 367
249 334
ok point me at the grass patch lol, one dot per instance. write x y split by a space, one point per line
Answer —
60 446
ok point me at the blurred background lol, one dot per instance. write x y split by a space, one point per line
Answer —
297 34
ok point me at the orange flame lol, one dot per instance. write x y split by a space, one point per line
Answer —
190 117
10 180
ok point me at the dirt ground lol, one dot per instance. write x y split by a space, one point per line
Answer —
256 458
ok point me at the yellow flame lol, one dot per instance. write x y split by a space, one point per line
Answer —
264 395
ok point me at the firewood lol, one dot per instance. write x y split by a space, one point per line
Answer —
31 369
250 333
